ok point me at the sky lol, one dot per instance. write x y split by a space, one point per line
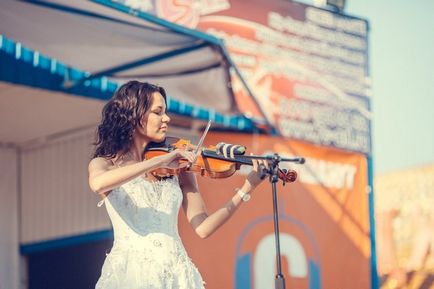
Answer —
402 71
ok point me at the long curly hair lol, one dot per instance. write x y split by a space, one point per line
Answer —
120 116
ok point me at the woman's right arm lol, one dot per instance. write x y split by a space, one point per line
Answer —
103 177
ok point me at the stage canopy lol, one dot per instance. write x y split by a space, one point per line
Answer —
88 48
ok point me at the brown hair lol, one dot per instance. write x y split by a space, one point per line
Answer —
120 116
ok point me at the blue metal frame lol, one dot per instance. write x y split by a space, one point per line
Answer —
144 61
36 247
24 66
374 274
369 157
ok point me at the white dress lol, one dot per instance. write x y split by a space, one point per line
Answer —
147 251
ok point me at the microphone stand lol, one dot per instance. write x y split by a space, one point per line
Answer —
273 177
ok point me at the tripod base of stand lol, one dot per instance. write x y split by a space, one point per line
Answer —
280 282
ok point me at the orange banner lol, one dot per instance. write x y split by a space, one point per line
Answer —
324 222
307 67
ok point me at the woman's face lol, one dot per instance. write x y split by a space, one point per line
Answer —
155 120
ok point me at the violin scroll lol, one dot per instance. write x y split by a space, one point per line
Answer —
287 176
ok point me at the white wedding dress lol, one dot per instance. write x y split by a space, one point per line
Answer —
147 251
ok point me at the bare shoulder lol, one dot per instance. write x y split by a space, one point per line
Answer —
99 164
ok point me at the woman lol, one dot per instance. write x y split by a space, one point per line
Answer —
147 251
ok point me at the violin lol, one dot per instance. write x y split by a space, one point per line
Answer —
210 162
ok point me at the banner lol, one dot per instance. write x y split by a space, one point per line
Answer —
404 214
324 229
306 66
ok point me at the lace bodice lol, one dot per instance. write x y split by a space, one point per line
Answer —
147 250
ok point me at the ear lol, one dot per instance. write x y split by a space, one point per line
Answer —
142 122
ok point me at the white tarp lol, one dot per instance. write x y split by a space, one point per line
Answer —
104 41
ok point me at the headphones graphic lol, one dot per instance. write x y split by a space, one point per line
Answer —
255 270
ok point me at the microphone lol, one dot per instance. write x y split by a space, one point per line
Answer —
300 161
297 160
230 150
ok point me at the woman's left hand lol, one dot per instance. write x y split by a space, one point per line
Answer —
254 177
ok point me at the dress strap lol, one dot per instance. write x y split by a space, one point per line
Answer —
100 203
